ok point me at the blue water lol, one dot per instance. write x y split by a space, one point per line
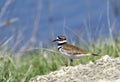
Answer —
51 18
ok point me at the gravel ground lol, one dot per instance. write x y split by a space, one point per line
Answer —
106 69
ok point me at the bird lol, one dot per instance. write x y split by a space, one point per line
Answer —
70 51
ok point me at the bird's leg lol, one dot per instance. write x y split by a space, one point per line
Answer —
66 62
71 62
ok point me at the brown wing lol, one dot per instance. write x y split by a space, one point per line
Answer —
71 49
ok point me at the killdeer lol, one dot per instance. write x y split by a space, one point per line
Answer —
70 51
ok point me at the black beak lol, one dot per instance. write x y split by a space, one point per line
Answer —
54 40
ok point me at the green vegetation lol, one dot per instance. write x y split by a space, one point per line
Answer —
21 67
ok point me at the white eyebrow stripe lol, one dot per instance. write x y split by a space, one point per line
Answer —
57 38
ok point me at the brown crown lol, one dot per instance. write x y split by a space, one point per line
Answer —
60 38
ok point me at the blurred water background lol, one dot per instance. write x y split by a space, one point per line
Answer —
25 23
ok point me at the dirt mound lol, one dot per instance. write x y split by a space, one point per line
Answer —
106 69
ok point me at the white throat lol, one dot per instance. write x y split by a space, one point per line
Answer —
60 42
